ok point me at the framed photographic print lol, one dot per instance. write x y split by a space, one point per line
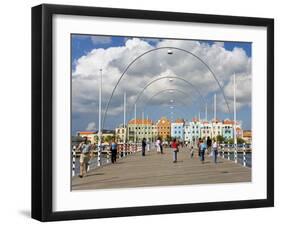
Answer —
145 112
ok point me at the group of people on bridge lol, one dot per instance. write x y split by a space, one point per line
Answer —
204 146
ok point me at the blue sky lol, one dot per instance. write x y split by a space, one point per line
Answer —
83 45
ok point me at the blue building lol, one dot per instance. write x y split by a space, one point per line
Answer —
227 129
177 129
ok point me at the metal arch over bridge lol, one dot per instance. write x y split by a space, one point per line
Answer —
155 49
171 77
165 90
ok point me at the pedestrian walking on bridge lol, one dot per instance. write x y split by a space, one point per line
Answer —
113 149
215 150
209 145
84 156
143 145
202 148
175 148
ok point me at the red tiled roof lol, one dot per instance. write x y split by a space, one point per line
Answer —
87 132
229 122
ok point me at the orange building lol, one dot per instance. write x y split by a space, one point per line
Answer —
164 127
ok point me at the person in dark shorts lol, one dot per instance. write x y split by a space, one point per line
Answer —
143 145
113 149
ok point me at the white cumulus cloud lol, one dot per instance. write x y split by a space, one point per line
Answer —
114 60
91 126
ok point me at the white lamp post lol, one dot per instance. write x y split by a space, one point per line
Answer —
100 132
234 116
124 126
135 130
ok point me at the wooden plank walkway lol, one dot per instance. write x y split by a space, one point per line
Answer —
156 169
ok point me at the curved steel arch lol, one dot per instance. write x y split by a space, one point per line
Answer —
174 77
155 49
165 90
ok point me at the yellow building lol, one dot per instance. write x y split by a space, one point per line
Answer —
93 135
141 128
164 127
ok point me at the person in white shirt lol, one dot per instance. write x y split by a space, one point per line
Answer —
158 147
215 150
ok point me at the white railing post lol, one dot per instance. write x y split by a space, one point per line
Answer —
73 160
244 155
223 151
235 153
107 157
88 165
228 152
120 151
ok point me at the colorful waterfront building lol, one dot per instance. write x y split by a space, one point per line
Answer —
192 130
163 126
247 136
227 129
121 134
177 129
93 135
205 130
216 126
141 128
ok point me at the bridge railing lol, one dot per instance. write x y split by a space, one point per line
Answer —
241 155
123 150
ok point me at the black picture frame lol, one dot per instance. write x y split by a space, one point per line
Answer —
42 111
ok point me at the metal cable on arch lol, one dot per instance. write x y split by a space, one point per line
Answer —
152 50
171 77
165 90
